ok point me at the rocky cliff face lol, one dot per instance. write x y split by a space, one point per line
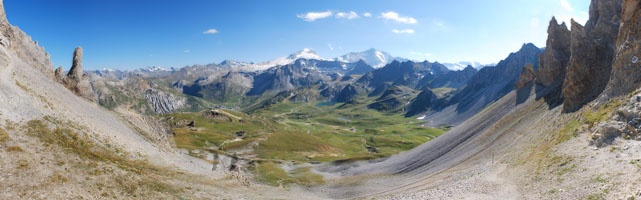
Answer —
286 77
554 60
408 73
26 49
592 49
527 75
163 103
453 79
423 102
492 83
626 75
346 94
76 80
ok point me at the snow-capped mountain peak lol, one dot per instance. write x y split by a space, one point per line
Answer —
463 64
306 53
153 69
232 63
373 57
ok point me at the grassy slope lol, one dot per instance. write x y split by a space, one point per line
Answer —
302 132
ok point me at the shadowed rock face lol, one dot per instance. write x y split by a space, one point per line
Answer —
526 76
163 103
554 60
592 50
76 80
423 102
346 94
492 83
626 73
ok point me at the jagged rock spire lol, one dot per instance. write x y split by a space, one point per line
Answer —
75 73
593 49
76 80
554 60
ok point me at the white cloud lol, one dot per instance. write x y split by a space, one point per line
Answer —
407 31
396 17
566 5
211 31
313 16
347 15
367 14
187 51
330 46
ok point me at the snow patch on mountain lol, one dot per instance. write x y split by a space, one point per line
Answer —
462 65
233 63
302 54
373 57
154 69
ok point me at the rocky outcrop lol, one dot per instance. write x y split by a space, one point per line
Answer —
625 123
76 72
626 75
394 98
76 80
422 103
554 60
592 49
346 94
25 48
527 76
163 103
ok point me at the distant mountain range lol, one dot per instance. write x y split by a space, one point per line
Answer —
372 57
463 65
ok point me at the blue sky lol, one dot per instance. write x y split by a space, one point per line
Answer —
126 34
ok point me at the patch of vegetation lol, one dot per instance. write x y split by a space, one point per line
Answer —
568 131
599 179
552 191
592 117
77 143
271 174
4 136
139 178
15 148
300 132
48 105
210 132
596 196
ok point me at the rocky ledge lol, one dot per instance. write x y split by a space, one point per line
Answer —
625 123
